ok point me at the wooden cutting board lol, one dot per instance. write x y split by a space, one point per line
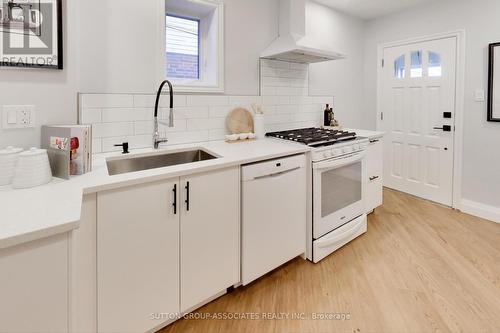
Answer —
239 121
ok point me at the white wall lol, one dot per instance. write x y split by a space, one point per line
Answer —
119 44
481 157
342 78
111 47
53 92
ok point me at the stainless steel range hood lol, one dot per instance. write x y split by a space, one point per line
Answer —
293 44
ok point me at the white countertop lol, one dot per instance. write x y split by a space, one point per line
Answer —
366 133
30 214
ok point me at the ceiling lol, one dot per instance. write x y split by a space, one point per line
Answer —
370 9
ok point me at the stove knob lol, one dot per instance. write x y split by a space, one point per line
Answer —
357 147
327 153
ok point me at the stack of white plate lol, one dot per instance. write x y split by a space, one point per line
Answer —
8 160
32 169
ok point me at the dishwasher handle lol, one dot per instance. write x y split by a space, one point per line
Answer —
277 174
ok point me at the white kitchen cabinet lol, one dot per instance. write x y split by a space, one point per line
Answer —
137 257
374 168
210 242
34 286
154 261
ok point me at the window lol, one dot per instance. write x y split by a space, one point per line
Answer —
435 69
399 67
183 47
416 64
193 53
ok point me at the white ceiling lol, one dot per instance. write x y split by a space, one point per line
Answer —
370 9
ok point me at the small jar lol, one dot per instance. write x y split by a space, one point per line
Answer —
32 169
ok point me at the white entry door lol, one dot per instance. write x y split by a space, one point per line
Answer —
418 104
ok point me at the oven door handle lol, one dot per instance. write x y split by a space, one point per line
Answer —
337 163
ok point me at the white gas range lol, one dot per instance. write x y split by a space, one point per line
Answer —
338 187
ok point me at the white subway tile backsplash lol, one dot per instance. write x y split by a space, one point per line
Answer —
187 112
143 127
188 137
323 100
268 91
126 114
219 111
301 100
197 100
270 81
300 83
244 101
275 100
301 67
287 109
96 146
206 123
217 134
90 116
106 101
275 64
198 118
103 130
149 100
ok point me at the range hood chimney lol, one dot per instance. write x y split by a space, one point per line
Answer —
292 44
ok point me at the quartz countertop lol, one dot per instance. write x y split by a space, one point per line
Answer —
367 133
54 208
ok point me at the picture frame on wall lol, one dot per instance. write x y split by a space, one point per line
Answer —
494 83
31 34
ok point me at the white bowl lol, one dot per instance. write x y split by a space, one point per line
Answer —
32 169
232 137
244 136
8 161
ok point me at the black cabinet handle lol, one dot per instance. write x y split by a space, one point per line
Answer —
374 141
175 199
187 196
374 177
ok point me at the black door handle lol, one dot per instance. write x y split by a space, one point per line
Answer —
175 199
187 196
445 128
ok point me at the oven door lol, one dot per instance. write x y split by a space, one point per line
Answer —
338 192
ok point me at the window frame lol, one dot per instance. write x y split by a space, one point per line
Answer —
211 74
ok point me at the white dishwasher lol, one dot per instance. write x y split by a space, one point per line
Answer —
274 199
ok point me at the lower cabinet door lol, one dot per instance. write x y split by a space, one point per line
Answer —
34 286
209 235
137 257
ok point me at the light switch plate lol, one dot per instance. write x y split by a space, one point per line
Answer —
18 116
479 95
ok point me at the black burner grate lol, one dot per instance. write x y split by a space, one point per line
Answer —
314 137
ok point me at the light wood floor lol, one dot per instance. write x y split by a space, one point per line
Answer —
420 268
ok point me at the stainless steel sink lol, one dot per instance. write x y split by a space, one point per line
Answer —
133 164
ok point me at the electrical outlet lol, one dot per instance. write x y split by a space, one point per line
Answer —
18 116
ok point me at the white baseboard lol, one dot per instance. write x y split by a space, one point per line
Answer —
478 209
